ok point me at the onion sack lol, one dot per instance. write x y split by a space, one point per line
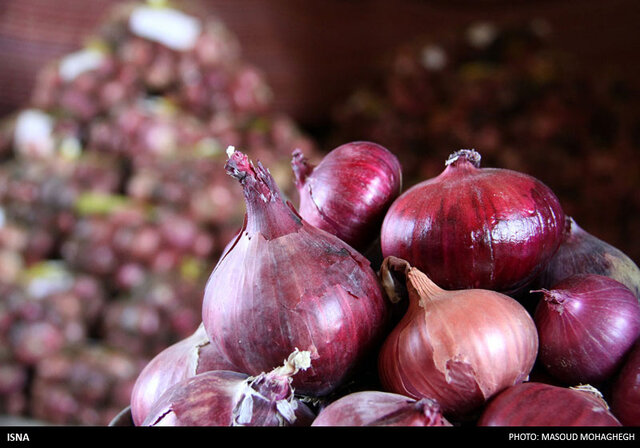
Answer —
473 227
285 284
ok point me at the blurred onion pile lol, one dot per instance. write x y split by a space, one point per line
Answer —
114 204
506 91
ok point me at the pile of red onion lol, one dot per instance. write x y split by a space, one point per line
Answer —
395 347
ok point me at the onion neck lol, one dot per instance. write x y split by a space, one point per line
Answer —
267 213
464 157
302 169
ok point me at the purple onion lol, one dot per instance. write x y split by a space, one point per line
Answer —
540 404
349 191
582 253
586 324
227 398
625 390
184 359
376 408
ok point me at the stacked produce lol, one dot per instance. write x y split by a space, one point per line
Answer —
507 91
115 206
379 343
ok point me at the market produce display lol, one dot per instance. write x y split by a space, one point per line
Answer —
115 205
177 253
471 355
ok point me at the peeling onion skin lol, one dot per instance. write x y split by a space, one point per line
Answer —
539 404
228 398
377 408
586 324
284 284
625 390
459 347
497 227
349 191
583 253
184 359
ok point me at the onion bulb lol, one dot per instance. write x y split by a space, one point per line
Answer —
540 404
349 191
586 324
184 359
227 398
583 253
377 408
283 284
458 347
625 390
473 227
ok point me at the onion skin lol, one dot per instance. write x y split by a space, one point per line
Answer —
457 347
583 253
184 359
349 191
586 324
625 390
539 404
227 398
284 284
497 226
377 408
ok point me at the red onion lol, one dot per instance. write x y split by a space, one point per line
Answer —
377 408
496 226
457 347
184 359
284 284
586 324
625 391
582 253
227 398
349 191
540 404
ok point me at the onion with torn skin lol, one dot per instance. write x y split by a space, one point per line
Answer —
458 347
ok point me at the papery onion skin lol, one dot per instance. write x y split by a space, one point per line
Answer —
377 408
349 191
284 284
472 227
583 253
184 359
586 325
625 390
457 347
540 404
227 398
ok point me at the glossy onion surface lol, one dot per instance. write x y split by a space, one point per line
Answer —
285 284
540 404
457 347
473 227
586 325
349 191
